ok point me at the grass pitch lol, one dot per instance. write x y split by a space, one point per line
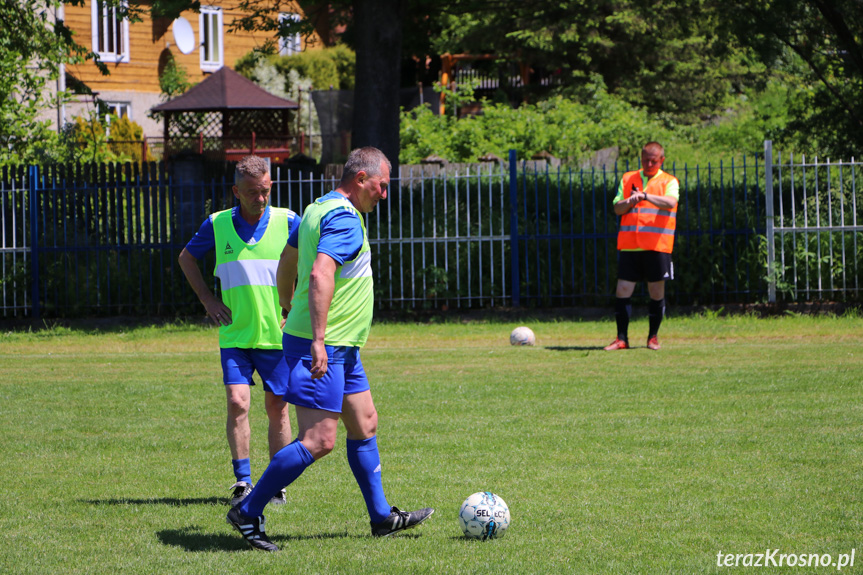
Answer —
740 436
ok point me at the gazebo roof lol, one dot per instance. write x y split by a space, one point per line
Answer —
226 90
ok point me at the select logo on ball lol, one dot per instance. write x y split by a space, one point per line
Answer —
483 516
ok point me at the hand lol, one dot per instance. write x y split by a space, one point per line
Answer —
319 359
218 312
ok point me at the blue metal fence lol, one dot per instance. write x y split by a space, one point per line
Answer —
567 233
103 240
814 227
100 240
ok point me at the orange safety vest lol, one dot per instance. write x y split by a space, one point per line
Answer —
645 226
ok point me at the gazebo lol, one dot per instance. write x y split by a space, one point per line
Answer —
229 116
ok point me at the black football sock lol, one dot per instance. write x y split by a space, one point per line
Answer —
622 313
656 311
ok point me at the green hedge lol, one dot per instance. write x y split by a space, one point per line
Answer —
573 130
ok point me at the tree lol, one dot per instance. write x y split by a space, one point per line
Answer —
375 33
378 45
670 60
827 37
682 60
34 44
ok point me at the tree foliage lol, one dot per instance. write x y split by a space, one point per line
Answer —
682 62
572 130
827 37
173 81
567 129
672 60
34 45
331 68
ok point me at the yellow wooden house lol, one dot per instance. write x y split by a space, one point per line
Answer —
136 53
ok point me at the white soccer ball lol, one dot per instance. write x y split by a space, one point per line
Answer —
522 336
484 515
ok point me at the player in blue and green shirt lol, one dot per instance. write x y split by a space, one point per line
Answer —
249 240
329 321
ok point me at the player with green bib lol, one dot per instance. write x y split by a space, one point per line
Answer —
329 321
248 240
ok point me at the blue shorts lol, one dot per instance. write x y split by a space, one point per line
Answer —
326 393
239 364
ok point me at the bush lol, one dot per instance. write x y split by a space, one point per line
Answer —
173 80
332 67
573 129
346 65
569 130
315 66
91 140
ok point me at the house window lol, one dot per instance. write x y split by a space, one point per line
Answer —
119 109
290 44
110 33
212 50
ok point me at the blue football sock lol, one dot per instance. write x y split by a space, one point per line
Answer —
242 469
288 464
365 462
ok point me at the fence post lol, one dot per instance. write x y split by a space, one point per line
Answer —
513 228
33 177
768 195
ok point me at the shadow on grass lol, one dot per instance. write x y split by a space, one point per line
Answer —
196 539
172 501
573 348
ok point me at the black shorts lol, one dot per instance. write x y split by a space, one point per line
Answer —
644 266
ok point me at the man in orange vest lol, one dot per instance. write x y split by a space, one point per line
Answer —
646 200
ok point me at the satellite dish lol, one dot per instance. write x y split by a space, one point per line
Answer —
184 37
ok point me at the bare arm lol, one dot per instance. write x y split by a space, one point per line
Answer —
626 204
322 285
216 309
286 276
666 202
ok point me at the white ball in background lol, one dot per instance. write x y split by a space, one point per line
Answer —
522 336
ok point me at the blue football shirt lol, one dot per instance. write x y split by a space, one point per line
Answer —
342 240
205 239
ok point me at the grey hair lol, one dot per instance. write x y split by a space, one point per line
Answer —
653 147
366 160
252 167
